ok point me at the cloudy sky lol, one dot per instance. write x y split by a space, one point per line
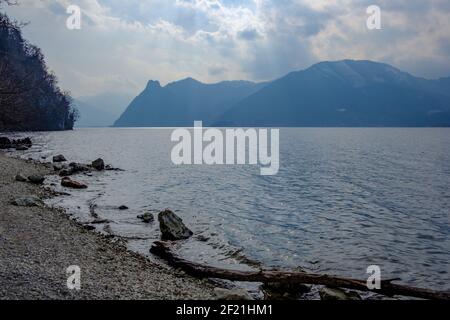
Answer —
124 43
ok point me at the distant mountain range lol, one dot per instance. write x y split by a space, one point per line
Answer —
181 103
100 110
342 93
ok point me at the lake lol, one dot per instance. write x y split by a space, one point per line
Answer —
343 199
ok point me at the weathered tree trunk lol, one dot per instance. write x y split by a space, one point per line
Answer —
163 250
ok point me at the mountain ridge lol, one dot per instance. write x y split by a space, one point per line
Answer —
344 93
182 102
329 93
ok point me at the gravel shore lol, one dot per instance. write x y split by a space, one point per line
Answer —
38 244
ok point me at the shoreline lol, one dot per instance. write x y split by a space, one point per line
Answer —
38 244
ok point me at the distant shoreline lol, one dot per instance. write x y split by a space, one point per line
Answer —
285 127
38 244
5 133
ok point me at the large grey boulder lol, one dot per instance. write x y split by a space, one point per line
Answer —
98 164
172 227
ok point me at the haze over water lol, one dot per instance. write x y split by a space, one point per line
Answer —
343 199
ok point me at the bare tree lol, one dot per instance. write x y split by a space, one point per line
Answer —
30 98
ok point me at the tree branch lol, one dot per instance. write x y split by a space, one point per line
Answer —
163 250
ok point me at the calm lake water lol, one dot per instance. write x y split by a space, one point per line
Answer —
343 199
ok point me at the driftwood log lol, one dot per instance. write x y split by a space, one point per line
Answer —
164 251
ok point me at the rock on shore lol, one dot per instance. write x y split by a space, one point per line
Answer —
27 201
98 164
36 179
72 168
69 183
18 144
59 158
172 227
5 143
146 217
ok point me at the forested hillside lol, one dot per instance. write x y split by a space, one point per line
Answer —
30 98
